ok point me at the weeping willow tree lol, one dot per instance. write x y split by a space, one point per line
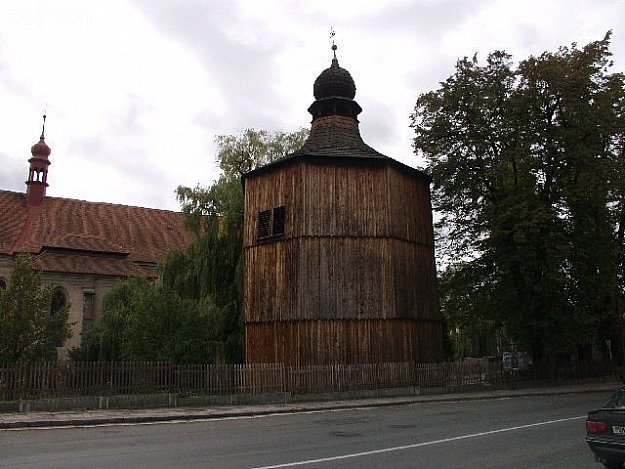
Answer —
210 269
193 313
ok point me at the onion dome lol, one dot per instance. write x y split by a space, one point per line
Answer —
334 91
40 149
334 82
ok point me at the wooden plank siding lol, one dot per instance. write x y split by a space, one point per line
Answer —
355 262
339 278
322 342
338 199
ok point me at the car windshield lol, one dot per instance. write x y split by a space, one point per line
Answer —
617 400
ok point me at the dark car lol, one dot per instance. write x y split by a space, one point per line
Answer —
605 431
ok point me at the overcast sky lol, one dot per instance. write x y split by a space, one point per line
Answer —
136 90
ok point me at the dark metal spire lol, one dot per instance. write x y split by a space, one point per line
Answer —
43 129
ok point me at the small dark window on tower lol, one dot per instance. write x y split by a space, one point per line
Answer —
3 284
271 222
264 223
278 220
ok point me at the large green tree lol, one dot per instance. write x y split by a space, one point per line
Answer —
528 182
28 328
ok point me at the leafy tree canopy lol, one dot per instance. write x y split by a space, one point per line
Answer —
527 163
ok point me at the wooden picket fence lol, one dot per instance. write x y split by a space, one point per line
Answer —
28 380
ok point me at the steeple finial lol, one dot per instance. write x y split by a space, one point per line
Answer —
332 34
43 129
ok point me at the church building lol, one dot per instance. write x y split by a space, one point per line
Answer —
82 248
339 248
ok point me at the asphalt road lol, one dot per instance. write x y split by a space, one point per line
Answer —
530 432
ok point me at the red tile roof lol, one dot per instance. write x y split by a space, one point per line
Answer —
13 213
79 229
83 263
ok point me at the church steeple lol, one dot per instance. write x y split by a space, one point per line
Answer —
38 171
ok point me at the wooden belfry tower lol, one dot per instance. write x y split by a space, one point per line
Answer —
339 250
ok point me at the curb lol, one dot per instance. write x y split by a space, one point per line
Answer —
152 416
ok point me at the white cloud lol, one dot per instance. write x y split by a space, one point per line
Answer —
136 91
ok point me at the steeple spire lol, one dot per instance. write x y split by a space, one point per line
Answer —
43 128
38 171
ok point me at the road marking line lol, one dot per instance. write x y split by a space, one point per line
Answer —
415 445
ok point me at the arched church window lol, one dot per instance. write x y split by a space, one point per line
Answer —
3 284
59 300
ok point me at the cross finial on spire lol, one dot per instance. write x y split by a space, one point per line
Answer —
332 34
43 129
